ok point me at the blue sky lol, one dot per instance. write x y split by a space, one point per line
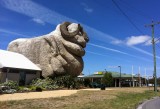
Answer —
118 36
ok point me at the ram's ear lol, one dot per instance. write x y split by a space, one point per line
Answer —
64 30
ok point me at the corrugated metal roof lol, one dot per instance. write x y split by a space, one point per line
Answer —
114 75
16 60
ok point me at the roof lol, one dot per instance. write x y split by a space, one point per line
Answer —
15 60
114 75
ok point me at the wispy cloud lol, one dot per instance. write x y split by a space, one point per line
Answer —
117 42
39 21
87 8
110 49
95 53
143 51
121 52
14 33
34 10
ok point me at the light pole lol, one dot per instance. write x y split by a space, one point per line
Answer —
120 76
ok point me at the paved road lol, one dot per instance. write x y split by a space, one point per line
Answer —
151 104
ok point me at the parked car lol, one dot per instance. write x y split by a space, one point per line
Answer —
96 85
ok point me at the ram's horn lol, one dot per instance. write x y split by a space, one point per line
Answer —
64 30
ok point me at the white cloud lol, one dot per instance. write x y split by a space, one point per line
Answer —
134 40
39 21
34 10
149 42
87 8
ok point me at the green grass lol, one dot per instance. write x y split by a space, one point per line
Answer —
122 101
118 98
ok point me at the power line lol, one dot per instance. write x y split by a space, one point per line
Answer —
157 40
157 45
127 16
137 11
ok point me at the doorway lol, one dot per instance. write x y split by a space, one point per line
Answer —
22 78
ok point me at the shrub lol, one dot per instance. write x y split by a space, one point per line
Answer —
46 83
24 89
10 91
10 84
67 81
33 88
55 83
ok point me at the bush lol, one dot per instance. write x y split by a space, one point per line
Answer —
24 89
46 83
10 91
32 88
67 82
55 83
10 84
9 87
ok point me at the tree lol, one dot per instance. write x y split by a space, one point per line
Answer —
107 79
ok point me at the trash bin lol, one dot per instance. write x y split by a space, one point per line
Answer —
103 87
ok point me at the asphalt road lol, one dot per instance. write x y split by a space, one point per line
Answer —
151 104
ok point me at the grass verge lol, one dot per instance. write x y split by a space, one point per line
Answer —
118 98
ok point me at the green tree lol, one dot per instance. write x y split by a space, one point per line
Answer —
107 79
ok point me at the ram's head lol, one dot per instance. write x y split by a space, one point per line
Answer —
74 33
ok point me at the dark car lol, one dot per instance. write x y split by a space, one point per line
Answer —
96 85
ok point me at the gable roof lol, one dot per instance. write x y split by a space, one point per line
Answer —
15 60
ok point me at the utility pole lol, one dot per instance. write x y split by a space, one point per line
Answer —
154 53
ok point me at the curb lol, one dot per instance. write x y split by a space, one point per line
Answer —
143 105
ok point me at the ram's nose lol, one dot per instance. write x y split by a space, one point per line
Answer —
81 41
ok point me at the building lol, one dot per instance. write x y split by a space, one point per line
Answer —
16 67
119 80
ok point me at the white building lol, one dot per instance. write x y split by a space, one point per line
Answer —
16 67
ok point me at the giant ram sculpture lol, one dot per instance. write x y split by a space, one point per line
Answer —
57 53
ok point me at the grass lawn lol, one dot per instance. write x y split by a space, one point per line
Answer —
118 98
